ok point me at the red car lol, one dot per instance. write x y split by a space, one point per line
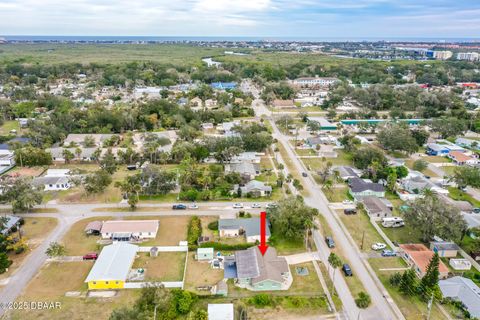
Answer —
90 256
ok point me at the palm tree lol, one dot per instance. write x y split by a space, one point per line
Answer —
335 262
309 225
327 185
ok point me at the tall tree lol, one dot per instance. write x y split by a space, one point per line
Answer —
432 216
429 283
21 194
409 283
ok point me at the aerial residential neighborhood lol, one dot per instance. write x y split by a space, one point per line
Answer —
242 160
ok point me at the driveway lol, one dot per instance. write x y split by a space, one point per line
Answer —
302 257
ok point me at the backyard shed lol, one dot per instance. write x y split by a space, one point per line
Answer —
204 254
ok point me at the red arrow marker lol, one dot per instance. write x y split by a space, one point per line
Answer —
263 233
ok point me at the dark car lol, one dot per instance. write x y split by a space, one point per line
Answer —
304 174
179 207
388 253
330 242
347 270
350 211
476 210
90 256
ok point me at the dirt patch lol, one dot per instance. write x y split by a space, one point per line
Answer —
200 274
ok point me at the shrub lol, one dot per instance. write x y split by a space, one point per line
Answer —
395 279
261 300
213 225
225 247
363 300
194 230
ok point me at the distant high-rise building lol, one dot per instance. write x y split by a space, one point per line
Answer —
470 56
442 55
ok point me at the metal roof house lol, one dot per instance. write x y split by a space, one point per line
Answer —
9 222
463 290
325 125
111 269
250 227
254 189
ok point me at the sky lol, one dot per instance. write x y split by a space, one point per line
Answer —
259 18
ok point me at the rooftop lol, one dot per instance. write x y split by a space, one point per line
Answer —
130 226
251 226
113 263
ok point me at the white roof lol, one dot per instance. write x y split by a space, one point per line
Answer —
113 263
220 311
464 290
57 172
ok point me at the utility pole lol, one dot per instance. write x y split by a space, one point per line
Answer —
429 306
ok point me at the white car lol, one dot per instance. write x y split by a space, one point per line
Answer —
238 206
347 202
193 206
256 205
271 205
379 246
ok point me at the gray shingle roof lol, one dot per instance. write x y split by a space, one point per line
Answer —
251 264
464 290
251 226
359 185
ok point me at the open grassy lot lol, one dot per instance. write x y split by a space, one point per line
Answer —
335 194
200 274
436 159
35 230
405 234
448 170
305 152
78 194
457 194
343 159
360 229
51 284
7 126
309 284
428 172
412 307
105 53
167 266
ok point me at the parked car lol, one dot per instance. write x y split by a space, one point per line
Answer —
347 270
238 206
330 242
304 174
179 207
271 205
389 253
193 206
347 202
256 205
350 211
379 246
90 256
476 210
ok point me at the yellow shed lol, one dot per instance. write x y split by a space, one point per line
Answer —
111 269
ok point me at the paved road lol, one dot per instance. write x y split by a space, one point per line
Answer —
382 308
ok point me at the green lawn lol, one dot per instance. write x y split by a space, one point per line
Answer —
428 172
343 159
457 194
411 307
406 234
360 229
7 126
336 194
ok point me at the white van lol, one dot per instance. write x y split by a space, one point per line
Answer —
393 222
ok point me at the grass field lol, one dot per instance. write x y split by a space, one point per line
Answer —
105 53
7 126
200 274
457 194
428 172
167 266
343 159
309 284
360 229
412 307
336 194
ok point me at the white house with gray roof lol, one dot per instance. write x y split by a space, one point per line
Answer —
245 169
253 189
250 227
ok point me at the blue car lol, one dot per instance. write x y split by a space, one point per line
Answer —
179 207
389 253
